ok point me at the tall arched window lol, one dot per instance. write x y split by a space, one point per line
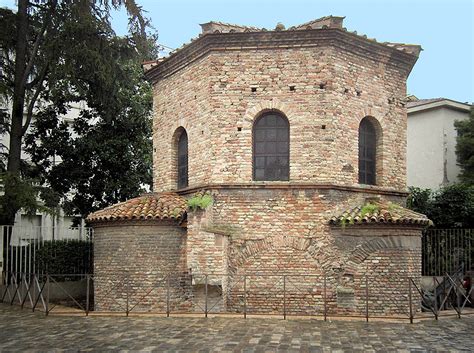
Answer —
367 152
183 160
271 147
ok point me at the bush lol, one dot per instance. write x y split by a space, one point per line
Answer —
450 207
65 257
200 201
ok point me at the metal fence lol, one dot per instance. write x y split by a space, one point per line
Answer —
446 250
21 247
244 295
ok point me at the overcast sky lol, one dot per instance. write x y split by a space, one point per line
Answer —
444 28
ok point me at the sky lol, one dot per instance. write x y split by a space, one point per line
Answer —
444 29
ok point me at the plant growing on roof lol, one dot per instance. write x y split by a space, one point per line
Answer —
369 208
200 201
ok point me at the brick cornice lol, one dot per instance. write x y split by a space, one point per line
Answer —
280 40
294 186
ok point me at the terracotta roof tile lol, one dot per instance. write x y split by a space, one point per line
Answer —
380 212
148 206
320 23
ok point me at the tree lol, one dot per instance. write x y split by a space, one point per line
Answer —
56 53
449 207
104 154
465 148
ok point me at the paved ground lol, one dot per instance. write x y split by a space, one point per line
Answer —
23 331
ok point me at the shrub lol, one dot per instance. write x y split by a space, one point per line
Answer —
201 201
65 257
450 207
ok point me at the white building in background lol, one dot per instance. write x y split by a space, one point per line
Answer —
42 224
431 141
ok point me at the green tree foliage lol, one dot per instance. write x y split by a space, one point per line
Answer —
57 54
104 155
465 148
450 207
65 257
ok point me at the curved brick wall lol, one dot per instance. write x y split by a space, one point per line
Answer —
137 256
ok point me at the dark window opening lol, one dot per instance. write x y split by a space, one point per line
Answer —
183 160
367 152
271 148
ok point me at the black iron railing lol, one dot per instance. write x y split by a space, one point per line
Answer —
247 294
445 250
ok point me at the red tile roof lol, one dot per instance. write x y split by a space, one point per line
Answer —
214 27
380 212
169 206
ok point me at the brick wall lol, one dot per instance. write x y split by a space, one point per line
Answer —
334 88
325 82
135 257
272 233
205 246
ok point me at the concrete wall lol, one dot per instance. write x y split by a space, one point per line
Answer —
431 147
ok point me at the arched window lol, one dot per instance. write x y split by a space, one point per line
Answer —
183 160
367 152
271 147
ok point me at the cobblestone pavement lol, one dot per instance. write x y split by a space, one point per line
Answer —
21 330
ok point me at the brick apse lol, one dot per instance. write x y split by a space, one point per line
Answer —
299 137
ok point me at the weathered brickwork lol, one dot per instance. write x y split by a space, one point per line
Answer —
273 233
204 247
182 101
135 258
334 88
271 246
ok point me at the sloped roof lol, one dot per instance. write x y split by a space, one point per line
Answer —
378 212
415 105
213 31
153 206
418 102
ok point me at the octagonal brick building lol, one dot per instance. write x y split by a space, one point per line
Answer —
299 137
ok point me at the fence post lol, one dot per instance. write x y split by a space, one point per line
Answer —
205 303
284 297
324 298
22 300
88 278
168 295
128 293
33 292
410 300
458 300
47 294
366 298
245 296
435 298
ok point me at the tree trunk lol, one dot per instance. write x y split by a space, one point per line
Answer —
14 153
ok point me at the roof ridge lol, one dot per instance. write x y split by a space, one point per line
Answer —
386 212
157 206
231 25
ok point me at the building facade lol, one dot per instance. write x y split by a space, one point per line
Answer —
298 137
431 141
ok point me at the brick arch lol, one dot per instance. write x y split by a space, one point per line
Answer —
362 251
252 248
174 153
255 111
379 132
